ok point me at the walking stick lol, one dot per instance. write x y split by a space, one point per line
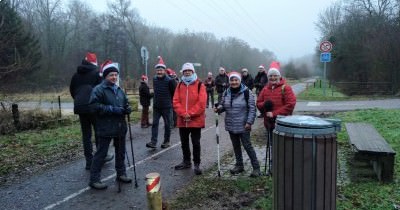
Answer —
133 156
268 106
217 137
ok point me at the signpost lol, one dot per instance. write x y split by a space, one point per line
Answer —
145 56
325 47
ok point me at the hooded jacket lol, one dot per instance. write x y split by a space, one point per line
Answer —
189 99
82 83
283 100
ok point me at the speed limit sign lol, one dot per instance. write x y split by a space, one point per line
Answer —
325 46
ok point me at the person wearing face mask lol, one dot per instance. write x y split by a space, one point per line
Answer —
210 84
247 79
238 103
189 104
110 106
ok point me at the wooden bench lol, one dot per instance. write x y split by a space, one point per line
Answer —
368 143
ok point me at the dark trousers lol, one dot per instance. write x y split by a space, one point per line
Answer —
219 97
243 139
166 114
210 94
87 123
195 134
145 116
101 153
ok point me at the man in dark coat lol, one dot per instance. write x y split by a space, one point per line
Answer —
145 97
210 84
82 82
111 105
221 83
261 79
247 79
164 88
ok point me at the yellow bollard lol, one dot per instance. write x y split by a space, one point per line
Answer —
153 183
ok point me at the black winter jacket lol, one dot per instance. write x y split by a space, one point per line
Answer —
164 89
144 94
81 86
108 124
248 81
260 81
220 80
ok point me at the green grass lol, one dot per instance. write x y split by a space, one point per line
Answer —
317 94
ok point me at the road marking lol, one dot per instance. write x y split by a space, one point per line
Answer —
73 195
314 104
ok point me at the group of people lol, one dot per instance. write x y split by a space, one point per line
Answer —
181 103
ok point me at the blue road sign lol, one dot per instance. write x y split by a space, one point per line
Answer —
325 57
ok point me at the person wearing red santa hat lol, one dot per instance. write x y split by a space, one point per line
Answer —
110 105
82 84
164 88
239 105
144 99
276 98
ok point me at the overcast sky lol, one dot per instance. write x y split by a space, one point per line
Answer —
285 27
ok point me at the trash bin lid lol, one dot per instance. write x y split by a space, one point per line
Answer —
302 124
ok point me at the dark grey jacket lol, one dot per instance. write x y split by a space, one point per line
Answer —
108 124
238 111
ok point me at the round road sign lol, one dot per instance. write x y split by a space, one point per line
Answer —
325 46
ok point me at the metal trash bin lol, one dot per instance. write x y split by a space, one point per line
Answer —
304 163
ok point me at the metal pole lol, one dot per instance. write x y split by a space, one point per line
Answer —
324 84
145 64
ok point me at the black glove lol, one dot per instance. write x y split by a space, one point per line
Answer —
268 106
128 110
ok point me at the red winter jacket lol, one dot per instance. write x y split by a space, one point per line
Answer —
283 101
190 100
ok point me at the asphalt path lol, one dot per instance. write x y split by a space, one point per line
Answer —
65 186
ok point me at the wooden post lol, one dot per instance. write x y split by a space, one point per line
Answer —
15 114
153 183
59 105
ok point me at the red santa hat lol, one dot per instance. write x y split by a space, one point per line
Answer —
160 63
274 68
91 58
261 66
235 74
103 65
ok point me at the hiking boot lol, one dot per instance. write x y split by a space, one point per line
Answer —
197 169
236 170
165 144
98 185
108 158
255 173
183 165
124 178
151 145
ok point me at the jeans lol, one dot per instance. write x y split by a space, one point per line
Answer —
196 135
210 94
87 121
101 153
166 114
243 139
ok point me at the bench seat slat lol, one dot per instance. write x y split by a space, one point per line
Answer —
366 139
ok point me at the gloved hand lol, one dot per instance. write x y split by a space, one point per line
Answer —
118 110
268 106
128 110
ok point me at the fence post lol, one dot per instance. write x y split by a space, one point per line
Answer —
153 183
320 83
15 114
59 105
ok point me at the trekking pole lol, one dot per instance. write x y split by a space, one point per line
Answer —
270 152
133 157
267 154
217 137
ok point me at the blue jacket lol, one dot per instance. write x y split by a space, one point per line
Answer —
108 124
164 89
238 111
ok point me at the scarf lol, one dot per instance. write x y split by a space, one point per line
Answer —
190 79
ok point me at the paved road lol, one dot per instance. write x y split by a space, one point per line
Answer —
65 187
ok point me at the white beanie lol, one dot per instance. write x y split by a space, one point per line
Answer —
274 72
236 75
187 66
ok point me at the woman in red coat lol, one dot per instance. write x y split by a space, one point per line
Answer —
276 98
189 104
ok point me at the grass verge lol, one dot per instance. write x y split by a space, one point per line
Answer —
355 191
